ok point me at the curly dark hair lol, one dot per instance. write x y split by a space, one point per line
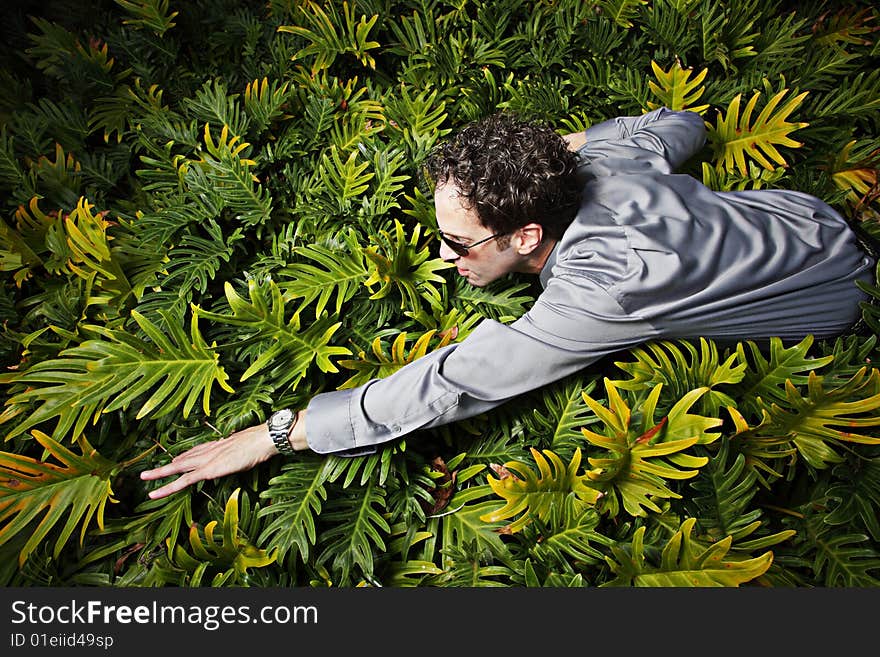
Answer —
512 172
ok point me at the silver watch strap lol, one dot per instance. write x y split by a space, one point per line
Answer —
281 438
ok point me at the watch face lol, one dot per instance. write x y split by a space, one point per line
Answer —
280 418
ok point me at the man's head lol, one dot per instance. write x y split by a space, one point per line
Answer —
506 181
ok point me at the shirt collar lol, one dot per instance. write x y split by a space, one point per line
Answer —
547 270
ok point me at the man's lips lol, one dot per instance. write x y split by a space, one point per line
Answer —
463 272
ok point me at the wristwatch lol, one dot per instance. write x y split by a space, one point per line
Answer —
280 423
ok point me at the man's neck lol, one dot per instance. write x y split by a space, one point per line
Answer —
538 258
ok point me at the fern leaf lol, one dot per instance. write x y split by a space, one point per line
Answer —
642 454
63 176
686 563
765 378
675 90
835 557
213 105
230 554
665 362
342 272
68 123
30 244
443 319
408 572
501 301
325 42
826 417
735 137
387 183
224 174
572 537
725 35
855 97
848 560
621 11
357 527
265 101
317 118
160 521
464 565
11 173
297 495
149 14
103 375
92 259
566 412
535 495
52 47
112 114
761 444
346 180
396 262
166 170
757 178
73 492
291 349
855 495
386 364
465 524
367 466
723 495
856 172
417 120
847 26
813 425
195 261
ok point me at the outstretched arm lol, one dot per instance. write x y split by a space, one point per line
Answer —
570 326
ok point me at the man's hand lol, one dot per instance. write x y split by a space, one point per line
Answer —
240 451
575 140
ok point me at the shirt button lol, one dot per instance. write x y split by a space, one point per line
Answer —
395 428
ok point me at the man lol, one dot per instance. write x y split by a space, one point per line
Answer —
626 251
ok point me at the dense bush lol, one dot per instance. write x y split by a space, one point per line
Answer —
212 209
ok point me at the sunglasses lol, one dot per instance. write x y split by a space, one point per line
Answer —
461 249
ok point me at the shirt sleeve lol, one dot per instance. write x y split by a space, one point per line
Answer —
571 325
664 138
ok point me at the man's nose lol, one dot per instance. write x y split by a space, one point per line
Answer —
446 253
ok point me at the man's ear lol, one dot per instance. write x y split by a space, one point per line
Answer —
530 238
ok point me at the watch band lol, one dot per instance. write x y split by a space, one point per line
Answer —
279 430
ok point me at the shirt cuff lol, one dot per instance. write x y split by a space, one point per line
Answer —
329 426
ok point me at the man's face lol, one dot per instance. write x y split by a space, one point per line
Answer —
483 263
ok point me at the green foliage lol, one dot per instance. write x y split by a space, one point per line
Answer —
75 493
735 136
639 451
227 557
536 496
685 562
213 210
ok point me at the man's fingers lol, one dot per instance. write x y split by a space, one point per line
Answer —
170 488
173 468
217 458
181 463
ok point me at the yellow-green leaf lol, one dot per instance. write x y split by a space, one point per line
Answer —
736 137
38 495
674 88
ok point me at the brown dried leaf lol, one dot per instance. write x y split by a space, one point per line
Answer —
502 472
444 488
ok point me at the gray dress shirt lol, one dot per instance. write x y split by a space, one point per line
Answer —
651 255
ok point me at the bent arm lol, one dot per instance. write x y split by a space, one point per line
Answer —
493 364
672 135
